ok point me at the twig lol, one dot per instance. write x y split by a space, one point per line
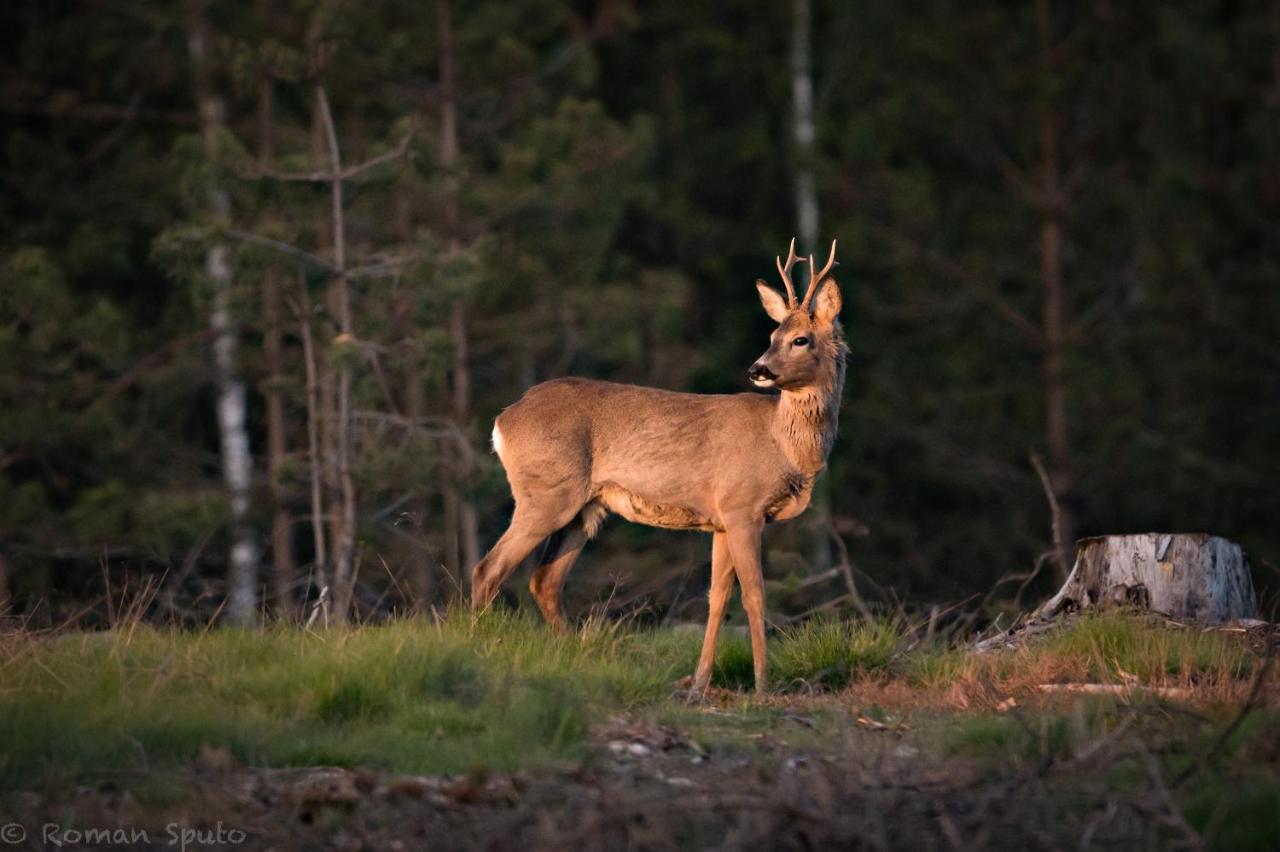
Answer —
282 247
319 608
327 175
1059 547
394 582
846 568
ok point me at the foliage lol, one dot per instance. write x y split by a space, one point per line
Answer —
622 177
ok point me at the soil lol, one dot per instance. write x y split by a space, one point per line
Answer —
802 785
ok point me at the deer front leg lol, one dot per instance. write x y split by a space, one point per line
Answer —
721 585
744 550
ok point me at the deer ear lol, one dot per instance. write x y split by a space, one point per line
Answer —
827 303
774 305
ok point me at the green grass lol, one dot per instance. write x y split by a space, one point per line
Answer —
832 654
502 693
407 696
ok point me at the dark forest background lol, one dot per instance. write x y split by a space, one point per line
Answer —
377 223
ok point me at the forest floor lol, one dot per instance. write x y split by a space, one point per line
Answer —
1109 732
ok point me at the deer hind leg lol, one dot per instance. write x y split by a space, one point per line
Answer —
562 551
529 526
721 586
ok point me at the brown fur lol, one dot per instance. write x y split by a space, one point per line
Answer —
575 449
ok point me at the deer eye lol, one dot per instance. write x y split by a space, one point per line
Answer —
800 341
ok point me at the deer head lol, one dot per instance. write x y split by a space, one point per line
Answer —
808 343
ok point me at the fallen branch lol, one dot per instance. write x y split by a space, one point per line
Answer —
1173 693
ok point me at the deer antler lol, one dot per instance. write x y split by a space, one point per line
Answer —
785 271
815 278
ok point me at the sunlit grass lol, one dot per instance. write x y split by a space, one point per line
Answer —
1109 648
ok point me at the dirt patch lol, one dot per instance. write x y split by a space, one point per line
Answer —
808 780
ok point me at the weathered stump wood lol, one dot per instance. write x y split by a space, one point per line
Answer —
1194 576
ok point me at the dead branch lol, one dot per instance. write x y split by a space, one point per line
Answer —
1059 546
846 568
331 174
1122 690
282 247
429 427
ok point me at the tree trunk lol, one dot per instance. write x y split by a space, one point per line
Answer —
806 201
411 549
284 569
345 537
1194 576
237 463
315 451
462 537
806 195
277 449
1061 475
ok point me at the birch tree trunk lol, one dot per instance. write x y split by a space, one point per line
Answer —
462 536
806 194
1192 576
237 463
806 201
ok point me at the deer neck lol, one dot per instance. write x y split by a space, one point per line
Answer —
806 419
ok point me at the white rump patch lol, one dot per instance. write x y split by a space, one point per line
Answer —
497 440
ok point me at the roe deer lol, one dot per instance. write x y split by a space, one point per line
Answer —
576 449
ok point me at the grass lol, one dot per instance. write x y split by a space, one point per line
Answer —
503 693
406 696
1110 648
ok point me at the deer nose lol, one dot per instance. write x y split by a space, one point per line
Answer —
759 372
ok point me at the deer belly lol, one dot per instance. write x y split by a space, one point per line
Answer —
640 510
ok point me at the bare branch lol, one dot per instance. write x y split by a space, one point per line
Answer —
283 248
327 175
1059 546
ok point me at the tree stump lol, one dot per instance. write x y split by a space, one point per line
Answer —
1194 576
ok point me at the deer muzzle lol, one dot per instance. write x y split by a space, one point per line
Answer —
761 376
